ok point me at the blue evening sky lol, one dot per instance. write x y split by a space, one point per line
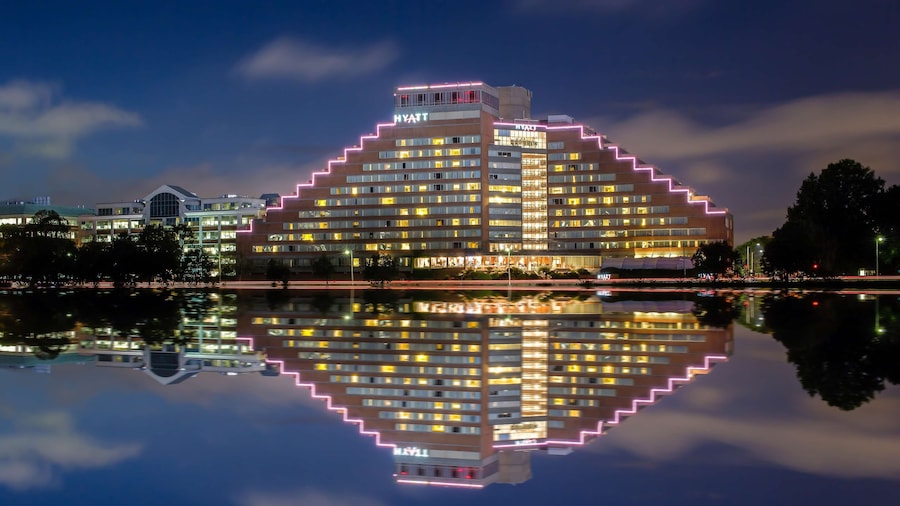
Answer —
104 101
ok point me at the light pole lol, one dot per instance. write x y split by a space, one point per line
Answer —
508 270
878 239
350 252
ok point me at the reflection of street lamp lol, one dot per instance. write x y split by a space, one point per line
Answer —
350 252
878 239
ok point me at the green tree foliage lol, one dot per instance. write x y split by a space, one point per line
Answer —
716 258
322 267
195 267
380 269
276 271
38 253
834 222
160 252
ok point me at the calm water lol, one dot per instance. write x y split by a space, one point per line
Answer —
618 397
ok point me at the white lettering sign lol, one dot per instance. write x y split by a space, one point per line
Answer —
530 128
411 451
411 118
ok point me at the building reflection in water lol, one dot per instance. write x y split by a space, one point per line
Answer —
464 390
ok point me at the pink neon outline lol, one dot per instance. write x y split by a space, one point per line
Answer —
437 86
691 198
654 393
312 181
440 483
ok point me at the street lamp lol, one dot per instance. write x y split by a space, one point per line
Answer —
878 239
350 252
508 270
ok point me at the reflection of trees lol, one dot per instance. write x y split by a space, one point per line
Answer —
841 353
715 311
39 320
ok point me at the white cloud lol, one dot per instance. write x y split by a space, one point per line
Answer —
806 124
287 58
754 164
32 114
45 443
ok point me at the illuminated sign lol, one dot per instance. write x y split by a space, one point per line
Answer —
529 128
417 117
411 451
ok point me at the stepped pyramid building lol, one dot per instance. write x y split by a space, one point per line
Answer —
464 178
463 390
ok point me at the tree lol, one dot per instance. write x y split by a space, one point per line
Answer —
836 216
277 271
792 251
39 252
195 267
323 268
160 252
716 258
381 268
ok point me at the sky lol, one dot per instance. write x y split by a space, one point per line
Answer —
105 101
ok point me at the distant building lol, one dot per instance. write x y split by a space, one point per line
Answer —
22 212
464 177
214 221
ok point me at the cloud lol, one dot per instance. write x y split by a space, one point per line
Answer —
46 443
306 498
754 164
806 124
42 125
770 418
292 59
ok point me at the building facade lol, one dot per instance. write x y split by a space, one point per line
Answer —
214 222
464 178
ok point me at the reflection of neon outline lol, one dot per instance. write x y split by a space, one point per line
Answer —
328 401
441 483
691 198
619 413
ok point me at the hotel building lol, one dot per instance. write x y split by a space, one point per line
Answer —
461 390
463 177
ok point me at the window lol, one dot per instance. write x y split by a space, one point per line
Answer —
164 205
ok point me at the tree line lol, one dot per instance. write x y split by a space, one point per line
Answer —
42 253
844 219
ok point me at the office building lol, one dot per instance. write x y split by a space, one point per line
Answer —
214 222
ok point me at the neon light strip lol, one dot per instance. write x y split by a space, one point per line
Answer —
329 402
691 198
437 86
312 182
654 393
441 483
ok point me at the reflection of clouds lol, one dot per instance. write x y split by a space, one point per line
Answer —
306 498
744 404
43 443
